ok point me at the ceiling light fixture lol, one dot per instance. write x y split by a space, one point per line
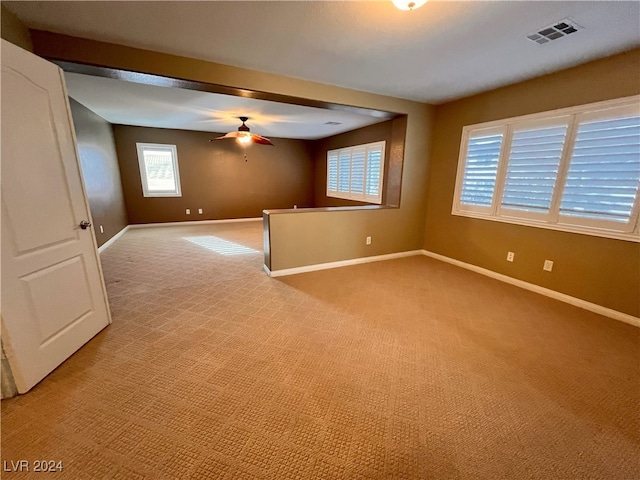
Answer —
408 4
244 136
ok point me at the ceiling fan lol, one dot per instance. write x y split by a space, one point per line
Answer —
244 136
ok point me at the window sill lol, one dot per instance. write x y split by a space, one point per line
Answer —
329 209
152 195
355 198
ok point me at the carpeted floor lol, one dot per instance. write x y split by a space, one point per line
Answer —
409 369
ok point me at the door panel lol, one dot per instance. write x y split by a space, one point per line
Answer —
33 226
53 295
49 290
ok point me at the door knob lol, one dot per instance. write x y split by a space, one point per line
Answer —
84 224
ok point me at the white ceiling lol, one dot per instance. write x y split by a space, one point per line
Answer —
442 51
126 103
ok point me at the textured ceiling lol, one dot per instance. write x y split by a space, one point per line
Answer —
442 51
127 103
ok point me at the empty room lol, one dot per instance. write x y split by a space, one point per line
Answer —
320 240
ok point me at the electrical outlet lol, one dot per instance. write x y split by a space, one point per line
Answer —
101 229
548 265
510 256
188 211
199 211
368 241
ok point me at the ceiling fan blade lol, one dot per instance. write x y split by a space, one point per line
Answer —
228 135
260 139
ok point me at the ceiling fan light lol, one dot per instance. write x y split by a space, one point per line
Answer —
408 4
244 138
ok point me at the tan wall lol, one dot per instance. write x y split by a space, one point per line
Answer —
599 270
100 171
299 236
214 176
13 30
393 230
372 133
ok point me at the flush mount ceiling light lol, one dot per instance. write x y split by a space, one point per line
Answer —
244 136
408 4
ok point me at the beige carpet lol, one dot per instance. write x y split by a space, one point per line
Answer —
409 369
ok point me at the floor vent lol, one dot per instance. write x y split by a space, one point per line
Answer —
557 30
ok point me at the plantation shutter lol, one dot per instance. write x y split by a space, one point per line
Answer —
374 170
481 168
332 172
344 171
574 170
532 168
604 170
357 170
356 173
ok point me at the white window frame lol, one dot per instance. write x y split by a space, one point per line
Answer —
555 121
553 220
177 192
468 132
361 197
613 112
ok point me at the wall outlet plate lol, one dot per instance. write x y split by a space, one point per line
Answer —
510 256
199 211
188 211
548 265
368 240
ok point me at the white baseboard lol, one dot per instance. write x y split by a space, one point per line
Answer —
577 302
342 263
112 240
196 222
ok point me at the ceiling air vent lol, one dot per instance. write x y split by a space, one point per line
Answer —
332 123
557 30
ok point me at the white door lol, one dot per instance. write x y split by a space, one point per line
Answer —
53 294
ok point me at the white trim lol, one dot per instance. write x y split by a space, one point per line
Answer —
341 263
112 240
266 270
197 222
577 302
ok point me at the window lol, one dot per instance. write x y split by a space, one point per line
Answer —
575 169
159 170
356 173
481 168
